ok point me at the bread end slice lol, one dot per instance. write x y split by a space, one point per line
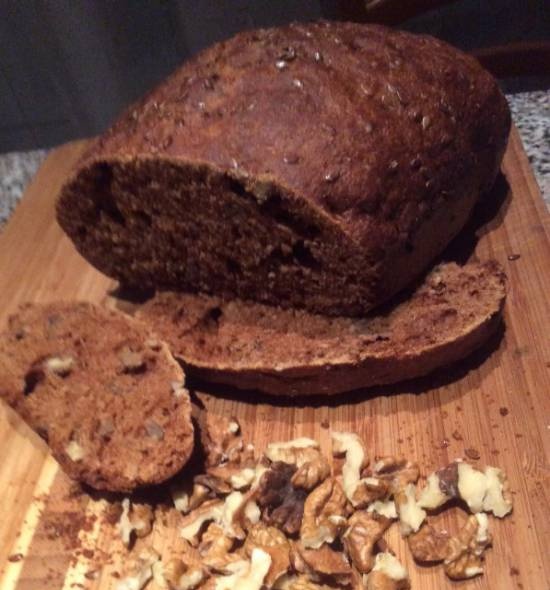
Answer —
101 389
292 352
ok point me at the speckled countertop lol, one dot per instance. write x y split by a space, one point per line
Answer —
530 111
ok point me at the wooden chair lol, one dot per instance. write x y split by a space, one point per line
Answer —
514 59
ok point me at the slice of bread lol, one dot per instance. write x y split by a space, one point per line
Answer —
101 389
253 346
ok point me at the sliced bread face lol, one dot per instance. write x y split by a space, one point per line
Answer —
101 389
290 352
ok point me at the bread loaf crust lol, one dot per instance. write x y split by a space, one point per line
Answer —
355 153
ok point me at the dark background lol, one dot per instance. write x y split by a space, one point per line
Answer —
67 68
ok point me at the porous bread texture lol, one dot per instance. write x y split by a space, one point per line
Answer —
101 389
291 352
320 166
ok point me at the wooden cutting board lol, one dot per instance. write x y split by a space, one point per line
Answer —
496 403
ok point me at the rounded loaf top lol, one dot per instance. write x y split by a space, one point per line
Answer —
374 126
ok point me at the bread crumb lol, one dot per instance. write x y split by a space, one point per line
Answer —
472 454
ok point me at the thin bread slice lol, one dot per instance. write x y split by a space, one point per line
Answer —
101 389
290 352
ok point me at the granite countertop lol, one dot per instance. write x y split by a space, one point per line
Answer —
530 112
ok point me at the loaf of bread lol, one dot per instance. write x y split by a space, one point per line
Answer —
320 165
292 352
101 389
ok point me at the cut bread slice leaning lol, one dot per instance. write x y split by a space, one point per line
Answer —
291 352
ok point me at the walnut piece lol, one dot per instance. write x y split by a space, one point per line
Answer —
387 574
325 512
397 472
322 565
132 361
75 451
483 491
222 439
369 490
180 575
384 508
60 365
350 445
135 520
195 521
282 504
312 466
428 545
272 541
364 530
301 582
432 495
215 549
411 516
465 551
247 575
141 571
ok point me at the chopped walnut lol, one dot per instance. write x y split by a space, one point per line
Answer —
441 486
322 565
384 508
195 521
75 451
396 471
325 512
363 532
243 512
247 575
213 483
350 445
498 498
222 439
411 516
272 541
312 466
387 574
136 519
185 502
215 549
369 490
141 571
465 551
300 582
180 575
428 545
282 504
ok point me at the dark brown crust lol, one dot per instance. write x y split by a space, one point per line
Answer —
347 155
253 346
116 401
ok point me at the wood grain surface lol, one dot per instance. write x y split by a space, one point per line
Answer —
497 403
